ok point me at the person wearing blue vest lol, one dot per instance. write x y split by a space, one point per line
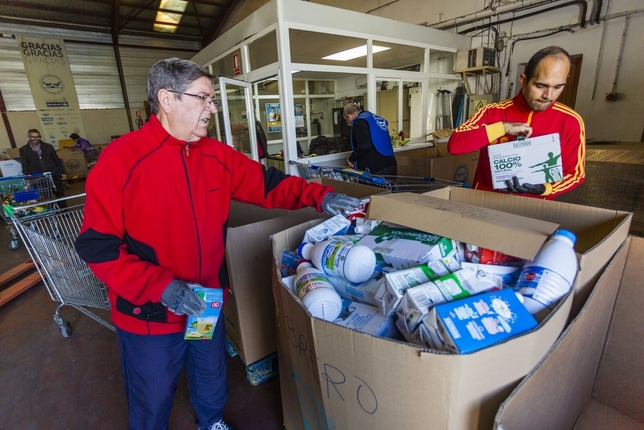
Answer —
370 142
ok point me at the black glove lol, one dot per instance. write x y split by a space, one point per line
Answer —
181 300
334 204
515 187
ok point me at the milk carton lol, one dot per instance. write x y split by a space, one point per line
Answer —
333 226
366 318
476 322
364 292
535 161
203 326
402 248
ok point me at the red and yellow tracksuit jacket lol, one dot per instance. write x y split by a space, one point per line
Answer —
485 128
157 210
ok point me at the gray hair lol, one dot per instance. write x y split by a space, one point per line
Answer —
349 109
172 74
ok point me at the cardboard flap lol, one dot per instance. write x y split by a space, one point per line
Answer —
511 234
553 395
620 380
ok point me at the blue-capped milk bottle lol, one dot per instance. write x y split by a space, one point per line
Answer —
547 278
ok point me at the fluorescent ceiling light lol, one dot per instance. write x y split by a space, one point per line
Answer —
167 22
352 53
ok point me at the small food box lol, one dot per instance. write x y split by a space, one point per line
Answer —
476 322
534 161
203 326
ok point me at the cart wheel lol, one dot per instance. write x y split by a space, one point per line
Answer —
65 329
13 245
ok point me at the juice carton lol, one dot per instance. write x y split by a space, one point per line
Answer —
203 326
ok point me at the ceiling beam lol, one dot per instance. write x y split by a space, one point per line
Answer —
116 18
232 4
58 9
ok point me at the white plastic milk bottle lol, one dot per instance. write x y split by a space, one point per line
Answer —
355 263
317 294
547 278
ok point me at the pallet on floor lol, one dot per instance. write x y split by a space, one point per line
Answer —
260 371
15 289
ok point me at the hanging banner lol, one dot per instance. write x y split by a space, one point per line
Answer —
52 88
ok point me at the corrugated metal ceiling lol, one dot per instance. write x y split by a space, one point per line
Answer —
202 20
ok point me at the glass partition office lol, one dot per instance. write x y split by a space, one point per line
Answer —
307 61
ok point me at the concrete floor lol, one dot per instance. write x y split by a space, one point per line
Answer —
48 382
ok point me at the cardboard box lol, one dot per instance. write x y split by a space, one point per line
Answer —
10 168
332 377
249 309
74 162
599 232
534 161
437 163
13 153
593 377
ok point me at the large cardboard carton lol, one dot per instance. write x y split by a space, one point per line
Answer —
437 163
335 378
593 377
249 309
74 162
599 231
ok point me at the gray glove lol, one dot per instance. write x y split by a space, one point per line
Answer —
515 187
181 300
334 204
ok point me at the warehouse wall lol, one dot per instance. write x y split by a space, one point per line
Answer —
94 69
599 43
618 32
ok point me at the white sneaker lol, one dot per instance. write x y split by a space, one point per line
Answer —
220 425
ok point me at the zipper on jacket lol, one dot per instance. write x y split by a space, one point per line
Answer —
192 206
187 148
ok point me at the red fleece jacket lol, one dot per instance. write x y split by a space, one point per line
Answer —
157 210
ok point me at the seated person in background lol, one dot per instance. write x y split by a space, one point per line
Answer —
82 144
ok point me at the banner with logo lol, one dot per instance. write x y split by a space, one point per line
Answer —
52 88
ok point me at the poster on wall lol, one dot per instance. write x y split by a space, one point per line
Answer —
299 115
52 88
273 117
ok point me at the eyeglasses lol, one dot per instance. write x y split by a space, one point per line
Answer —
211 101
34 137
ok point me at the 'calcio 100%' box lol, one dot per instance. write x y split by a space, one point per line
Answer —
534 161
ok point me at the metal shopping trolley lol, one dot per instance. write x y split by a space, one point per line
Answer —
393 183
49 237
18 191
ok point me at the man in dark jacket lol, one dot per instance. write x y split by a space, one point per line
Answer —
40 157
370 141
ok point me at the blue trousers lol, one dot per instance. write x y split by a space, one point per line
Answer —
151 365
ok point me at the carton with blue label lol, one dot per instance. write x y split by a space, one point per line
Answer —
536 160
476 322
203 326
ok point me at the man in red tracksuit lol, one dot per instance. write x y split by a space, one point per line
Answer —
534 111
156 216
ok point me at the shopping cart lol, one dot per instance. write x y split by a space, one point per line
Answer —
393 183
49 237
18 191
